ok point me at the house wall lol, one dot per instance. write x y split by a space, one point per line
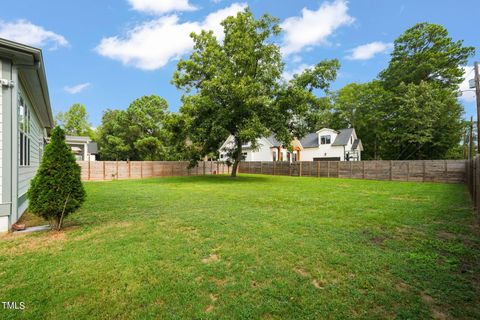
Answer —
263 153
5 146
308 154
3 219
26 173
1 130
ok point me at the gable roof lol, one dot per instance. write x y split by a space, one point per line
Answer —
342 137
275 143
310 140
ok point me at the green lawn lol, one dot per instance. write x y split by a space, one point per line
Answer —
258 247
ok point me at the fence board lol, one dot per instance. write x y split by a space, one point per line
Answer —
448 171
112 170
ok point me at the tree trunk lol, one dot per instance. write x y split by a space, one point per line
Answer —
238 158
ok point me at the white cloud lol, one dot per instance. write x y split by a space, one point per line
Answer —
369 50
468 95
161 6
25 32
77 88
151 45
288 75
313 28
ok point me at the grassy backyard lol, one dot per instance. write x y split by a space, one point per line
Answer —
255 247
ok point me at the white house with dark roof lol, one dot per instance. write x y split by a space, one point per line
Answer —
82 147
25 119
324 145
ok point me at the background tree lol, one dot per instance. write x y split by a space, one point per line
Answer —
56 190
112 136
237 88
365 108
426 52
137 133
75 121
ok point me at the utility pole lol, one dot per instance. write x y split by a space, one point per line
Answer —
477 93
470 140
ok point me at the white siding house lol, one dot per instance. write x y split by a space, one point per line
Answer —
324 145
26 116
82 147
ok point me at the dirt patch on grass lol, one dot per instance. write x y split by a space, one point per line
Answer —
402 287
219 282
212 257
209 308
25 243
437 312
317 284
302 272
445 235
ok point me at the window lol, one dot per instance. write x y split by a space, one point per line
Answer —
244 155
351 140
274 156
325 139
24 129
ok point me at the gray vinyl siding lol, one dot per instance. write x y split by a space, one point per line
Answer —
1 132
26 173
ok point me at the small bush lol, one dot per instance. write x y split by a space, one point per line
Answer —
56 190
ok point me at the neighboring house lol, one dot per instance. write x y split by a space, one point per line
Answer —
82 147
324 145
25 119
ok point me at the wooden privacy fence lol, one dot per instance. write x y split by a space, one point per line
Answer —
112 170
473 181
449 171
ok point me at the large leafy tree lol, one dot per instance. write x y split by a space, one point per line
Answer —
235 88
364 107
425 122
137 133
112 136
56 190
75 121
426 52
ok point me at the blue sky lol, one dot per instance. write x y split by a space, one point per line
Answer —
106 53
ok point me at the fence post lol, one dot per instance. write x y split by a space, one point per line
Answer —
363 169
103 170
89 169
338 169
423 170
300 169
328 169
408 170
218 168
129 169
203 167
446 170
116 174
351 170
171 171
141 169
391 162
318 168
274 167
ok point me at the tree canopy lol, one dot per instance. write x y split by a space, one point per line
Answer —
426 52
235 87
75 121
137 133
